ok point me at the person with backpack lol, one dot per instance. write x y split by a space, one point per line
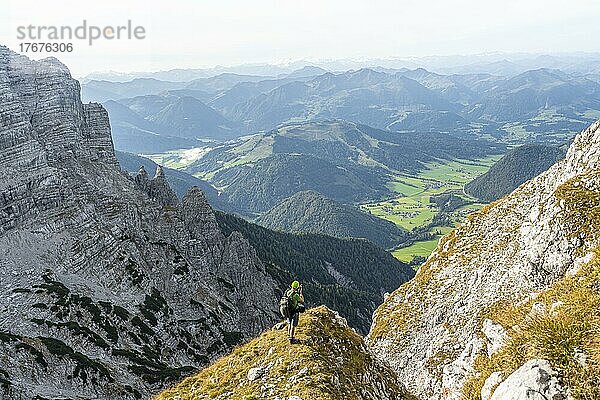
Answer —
290 306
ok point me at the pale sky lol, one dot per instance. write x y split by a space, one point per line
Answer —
202 33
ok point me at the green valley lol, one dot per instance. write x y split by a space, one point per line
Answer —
180 158
412 207
388 175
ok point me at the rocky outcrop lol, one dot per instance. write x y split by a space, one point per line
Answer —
535 380
433 329
157 188
110 287
330 362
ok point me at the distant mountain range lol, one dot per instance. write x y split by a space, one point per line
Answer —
503 64
515 168
312 212
132 133
543 104
526 95
102 90
364 96
190 118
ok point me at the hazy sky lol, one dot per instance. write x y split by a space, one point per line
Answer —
202 33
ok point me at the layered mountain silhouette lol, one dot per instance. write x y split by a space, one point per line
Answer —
132 132
549 105
190 118
524 95
107 90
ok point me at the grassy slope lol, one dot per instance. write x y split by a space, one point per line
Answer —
566 331
178 159
565 334
330 362
418 249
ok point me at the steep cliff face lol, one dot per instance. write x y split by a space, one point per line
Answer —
110 287
331 362
489 299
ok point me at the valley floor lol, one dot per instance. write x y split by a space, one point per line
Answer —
413 210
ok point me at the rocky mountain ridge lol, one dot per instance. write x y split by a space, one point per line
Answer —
179 181
330 362
111 288
505 309
440 329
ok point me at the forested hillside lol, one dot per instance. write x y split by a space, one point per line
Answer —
343 161
312 212
516 167
348 275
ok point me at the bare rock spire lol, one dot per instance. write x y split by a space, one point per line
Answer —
160 174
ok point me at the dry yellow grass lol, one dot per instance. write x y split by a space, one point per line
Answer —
566 334
331 362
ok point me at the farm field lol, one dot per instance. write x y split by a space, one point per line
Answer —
412 208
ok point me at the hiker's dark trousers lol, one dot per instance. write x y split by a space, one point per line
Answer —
293 320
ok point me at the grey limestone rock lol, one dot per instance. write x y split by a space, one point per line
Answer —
534 380
490 385
110 288
157 188
495 334
429 330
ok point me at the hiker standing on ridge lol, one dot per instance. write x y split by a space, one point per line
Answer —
291 305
